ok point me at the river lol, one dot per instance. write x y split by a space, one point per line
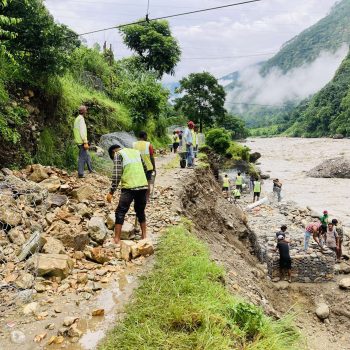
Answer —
288 159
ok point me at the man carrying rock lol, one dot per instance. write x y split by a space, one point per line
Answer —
147 154
81 140
317 230
129 170
282 232
285 259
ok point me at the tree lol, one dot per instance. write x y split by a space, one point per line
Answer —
157 49
203 98
40 46
235 125
218 140
140 91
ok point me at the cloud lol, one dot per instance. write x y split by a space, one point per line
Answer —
277 88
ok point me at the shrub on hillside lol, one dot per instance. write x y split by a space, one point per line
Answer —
218 140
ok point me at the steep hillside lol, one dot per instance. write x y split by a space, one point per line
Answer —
328 112
327 34
301 68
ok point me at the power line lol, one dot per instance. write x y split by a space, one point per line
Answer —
168 16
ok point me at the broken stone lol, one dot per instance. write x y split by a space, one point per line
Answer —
58 265
52 184
9 216
39 173
97 229
78 255
53 246
34 243
58 200
110 221
16 236
98 312
24 281
74 332
128 231
344 268
322 311
126 249
18 337
82 193
142 248
30 309
344 283
97 254
69 320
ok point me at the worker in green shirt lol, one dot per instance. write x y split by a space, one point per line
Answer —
324 218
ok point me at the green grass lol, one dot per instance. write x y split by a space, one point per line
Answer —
183 304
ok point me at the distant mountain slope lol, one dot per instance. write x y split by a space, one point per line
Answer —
300 69
327 34
328 112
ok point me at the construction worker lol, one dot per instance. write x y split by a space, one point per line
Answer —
129 170
81 140
147 154
324 218
226 185
257 189
236 194
239 181
188 138
176 141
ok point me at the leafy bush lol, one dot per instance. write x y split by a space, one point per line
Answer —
239 152
218 140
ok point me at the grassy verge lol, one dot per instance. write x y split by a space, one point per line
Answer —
183 304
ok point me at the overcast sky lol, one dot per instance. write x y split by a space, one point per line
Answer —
215 41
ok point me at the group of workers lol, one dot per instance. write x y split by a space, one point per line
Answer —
236 189
188 138
134 170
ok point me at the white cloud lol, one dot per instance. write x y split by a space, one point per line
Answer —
277 88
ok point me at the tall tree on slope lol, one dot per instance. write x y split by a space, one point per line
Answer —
202 100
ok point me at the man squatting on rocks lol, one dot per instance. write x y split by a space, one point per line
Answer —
317 230
81 140
129 170
147 154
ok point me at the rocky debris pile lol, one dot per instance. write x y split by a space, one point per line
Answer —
55 230
332 168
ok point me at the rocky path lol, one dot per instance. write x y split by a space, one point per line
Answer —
74 303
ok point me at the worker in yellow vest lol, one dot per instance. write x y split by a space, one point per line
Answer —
257 189
176 141
236 194
226 185
129 170
81 140
239 181
147 154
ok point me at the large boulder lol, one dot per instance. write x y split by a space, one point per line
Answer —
97 229
253 157
322 311
82 193
332 168
52 184
58 200
39 173
48 265
53 246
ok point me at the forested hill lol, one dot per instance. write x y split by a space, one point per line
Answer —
328 112
328 34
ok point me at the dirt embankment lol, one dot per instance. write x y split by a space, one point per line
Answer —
225 228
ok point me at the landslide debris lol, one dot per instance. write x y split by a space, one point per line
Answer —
332 168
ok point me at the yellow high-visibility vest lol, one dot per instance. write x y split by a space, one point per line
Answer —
133 172
239 180
226 183
257 186
176 138
143 148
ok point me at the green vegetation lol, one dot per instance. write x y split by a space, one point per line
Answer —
203 98
218 140
156 49
183 304
46 74
328 34
328 112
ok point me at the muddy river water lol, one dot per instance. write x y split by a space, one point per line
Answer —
290 158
